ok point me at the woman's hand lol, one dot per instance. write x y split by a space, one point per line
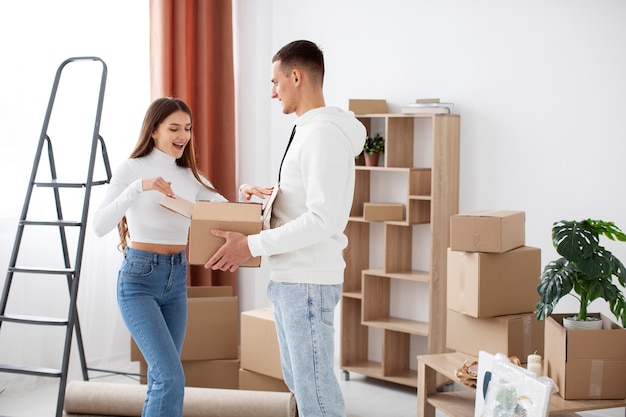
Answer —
158 184
247 191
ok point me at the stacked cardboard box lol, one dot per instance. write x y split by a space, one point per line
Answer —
210 353
260 355
492 294
586 364
492 285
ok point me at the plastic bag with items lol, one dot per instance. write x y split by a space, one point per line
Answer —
516 392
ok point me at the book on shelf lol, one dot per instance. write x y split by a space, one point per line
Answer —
427 100
426 110
438 104
433 108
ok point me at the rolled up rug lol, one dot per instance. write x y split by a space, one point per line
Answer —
85 398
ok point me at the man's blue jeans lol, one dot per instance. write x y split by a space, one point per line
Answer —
152 296
304 316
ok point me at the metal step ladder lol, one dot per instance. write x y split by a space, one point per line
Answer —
94 69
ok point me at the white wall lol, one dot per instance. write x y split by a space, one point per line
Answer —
37 36
539 85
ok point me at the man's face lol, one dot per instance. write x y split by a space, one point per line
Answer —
283 88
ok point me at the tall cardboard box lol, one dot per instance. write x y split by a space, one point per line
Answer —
586 364
259 343
514 335
254 381
216 373
212 325
488 231
493 284
205 215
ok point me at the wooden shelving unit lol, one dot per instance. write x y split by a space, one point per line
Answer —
424 150
460 403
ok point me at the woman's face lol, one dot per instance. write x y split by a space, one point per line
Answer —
173 134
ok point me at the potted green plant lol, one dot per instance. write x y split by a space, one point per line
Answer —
372 149
586 269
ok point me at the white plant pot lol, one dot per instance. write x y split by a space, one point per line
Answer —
592 323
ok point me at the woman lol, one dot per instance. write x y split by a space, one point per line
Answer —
152 281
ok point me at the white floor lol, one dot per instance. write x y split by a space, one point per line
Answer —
22 396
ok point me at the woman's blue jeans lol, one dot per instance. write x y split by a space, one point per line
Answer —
304 315
152 296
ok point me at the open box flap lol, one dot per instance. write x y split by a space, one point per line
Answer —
178 205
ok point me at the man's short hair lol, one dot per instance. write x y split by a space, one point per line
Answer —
301 53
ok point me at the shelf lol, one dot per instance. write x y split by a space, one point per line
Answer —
458 403
383 169
352 294
375 370
399 115
420 170
399 325
462 403
413 275
404 223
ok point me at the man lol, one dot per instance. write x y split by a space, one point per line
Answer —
305 242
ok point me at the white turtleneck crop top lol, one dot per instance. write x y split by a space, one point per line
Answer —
148 221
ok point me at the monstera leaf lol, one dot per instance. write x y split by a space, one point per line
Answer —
586 269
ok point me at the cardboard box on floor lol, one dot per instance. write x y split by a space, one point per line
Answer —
253 381
514 335
487 231
378 212
493 284
586 364
259 343
216 373
233 217
212 325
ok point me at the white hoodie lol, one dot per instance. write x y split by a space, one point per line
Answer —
310 214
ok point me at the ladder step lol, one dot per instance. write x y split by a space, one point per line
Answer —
30 370
40 320
50 223
35 270
58 184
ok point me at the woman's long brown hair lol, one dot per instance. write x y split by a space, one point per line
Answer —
158 111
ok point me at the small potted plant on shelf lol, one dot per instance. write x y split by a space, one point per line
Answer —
372 149
585 268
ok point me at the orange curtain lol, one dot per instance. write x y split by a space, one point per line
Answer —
191 58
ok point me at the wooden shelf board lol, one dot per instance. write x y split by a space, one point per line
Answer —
405 223
400 115
374 370
382 169
359 219
352 294
390 169
413 275
461 403
397 324
420 197
457 403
